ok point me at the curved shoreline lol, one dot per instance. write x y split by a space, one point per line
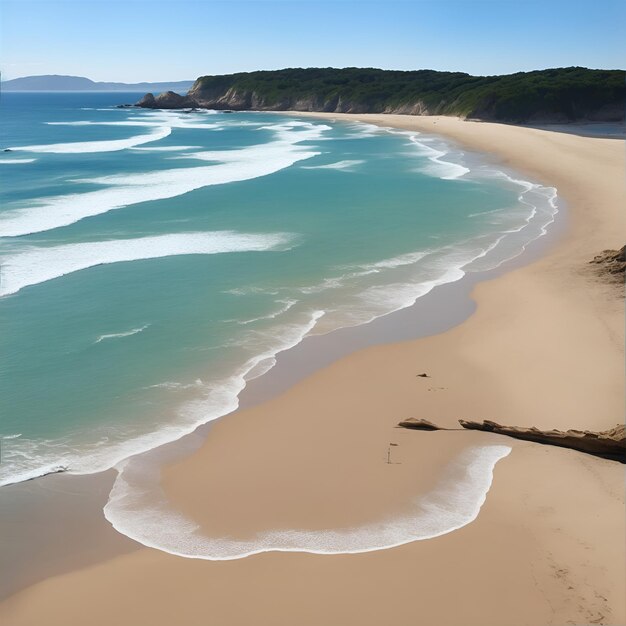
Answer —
546 314
446 508
237 382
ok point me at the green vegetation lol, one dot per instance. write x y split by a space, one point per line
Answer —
566 93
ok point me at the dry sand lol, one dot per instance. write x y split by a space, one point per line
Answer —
544 348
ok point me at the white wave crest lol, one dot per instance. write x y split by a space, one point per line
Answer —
127 333
410 258
288 304
12 161
124 190
128 122
456 501
346 166
364 130
114 145
38 264
445 170
166 148
172 121
172 385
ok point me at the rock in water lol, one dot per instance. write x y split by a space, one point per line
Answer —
609 444
147 101
166 100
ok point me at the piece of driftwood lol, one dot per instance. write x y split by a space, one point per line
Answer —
609 444
419 424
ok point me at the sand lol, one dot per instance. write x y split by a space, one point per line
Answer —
544 348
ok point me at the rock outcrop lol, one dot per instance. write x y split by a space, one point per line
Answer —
609 444
611 264
167 100
147 102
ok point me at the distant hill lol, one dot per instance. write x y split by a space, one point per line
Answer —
53 82
553 95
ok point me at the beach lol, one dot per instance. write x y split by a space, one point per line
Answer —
544 347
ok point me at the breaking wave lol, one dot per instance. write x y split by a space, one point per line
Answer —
114 145
136 510
38 264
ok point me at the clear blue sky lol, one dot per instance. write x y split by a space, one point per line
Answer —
135 40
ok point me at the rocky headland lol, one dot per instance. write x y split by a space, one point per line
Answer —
166 100
546 96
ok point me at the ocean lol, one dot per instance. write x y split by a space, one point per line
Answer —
152 262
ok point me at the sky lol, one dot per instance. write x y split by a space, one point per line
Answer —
156 40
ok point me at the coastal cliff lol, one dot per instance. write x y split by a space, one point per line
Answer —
556 95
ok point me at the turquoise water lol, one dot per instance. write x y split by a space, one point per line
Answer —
151 262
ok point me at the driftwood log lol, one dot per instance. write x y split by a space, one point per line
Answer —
419 424
609 444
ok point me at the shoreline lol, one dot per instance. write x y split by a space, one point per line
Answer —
445 346
170 432
314 352
437 311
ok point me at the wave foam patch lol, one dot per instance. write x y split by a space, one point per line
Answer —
128 333
287 304
143 515
38 265
160 121
173 385
364 130
410 258
166 148
445 170
129 122
11 161
543 210
125 190
346 166
79 147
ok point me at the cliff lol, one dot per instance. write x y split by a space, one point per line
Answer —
557 95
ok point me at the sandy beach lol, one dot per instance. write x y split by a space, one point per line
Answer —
545 347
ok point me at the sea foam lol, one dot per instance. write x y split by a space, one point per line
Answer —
127 189
137 509
347 166
439 167
39 264
127 333
114 145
